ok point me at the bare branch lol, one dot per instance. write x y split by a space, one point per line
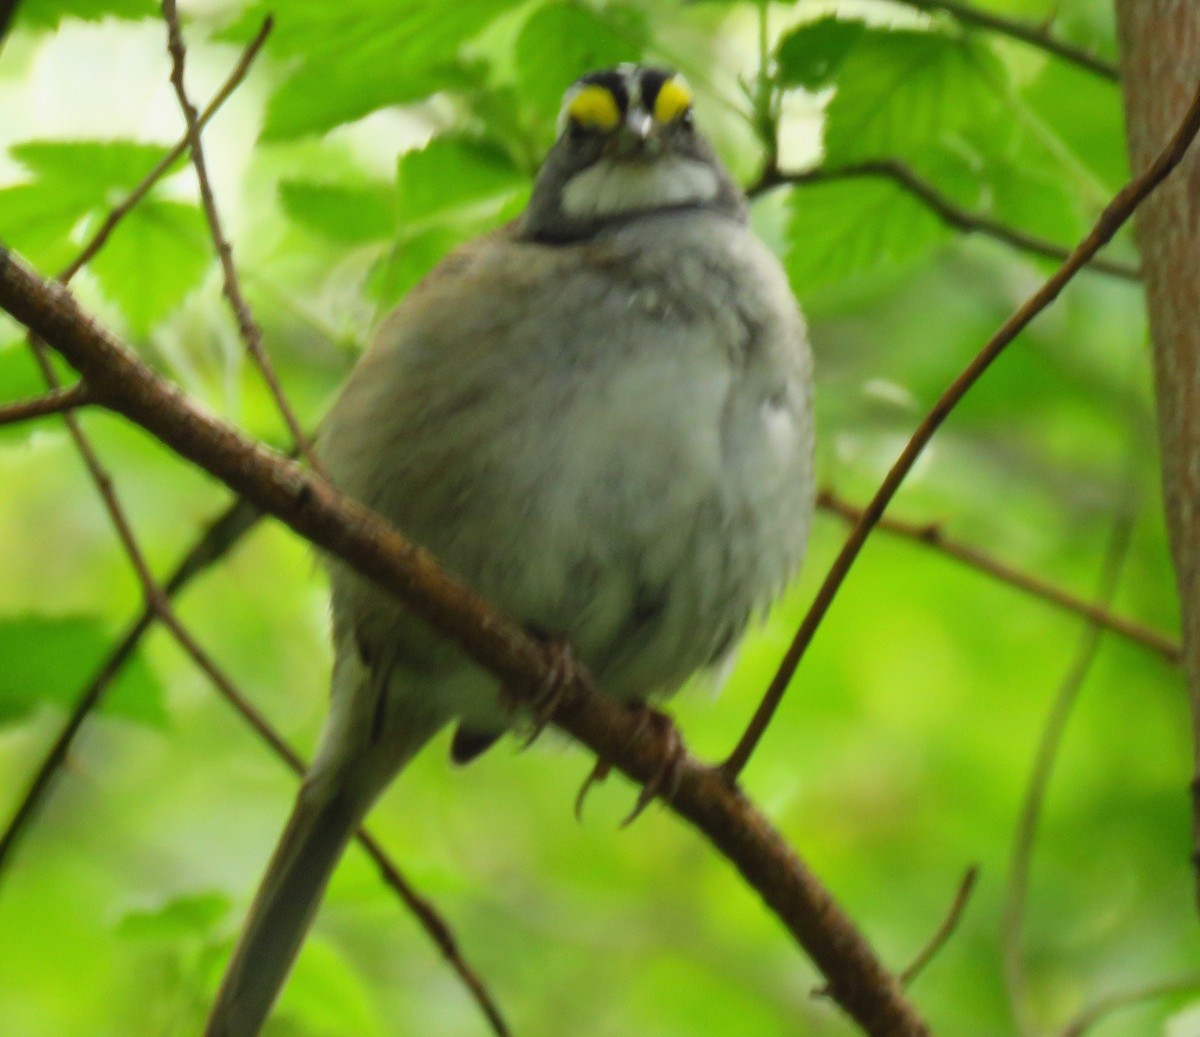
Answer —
100 236
1106 1006
933 536
939 938
218 539
945 930
54 402
247 326
1034 35
211 547
702 796
426 915
1111 220
948 211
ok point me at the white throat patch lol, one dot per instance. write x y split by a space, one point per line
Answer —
610 188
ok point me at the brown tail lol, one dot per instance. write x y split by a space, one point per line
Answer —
322 822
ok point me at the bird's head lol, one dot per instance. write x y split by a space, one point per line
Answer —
627 146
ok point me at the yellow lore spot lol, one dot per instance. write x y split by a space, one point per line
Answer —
674 98
594 108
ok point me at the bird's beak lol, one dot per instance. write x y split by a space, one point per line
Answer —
638 136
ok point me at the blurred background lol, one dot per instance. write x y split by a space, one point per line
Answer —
367 140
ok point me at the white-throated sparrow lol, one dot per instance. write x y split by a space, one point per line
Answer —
598 416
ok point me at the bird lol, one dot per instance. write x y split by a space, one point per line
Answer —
600 417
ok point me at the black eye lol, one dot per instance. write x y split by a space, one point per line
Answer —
577 132
686 122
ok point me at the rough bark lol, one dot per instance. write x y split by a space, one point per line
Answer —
1160 66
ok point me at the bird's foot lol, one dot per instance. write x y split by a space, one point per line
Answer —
665 782
560 675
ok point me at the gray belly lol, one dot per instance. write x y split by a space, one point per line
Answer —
646 519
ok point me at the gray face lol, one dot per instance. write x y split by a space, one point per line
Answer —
626 147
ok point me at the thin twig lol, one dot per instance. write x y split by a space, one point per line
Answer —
248 327
98 238
933 536
1017 888
158 607
944 931
427 916
1034 35
1111 220
220 537
212 545
939 938
949 212
1106 1006
54 402
858 981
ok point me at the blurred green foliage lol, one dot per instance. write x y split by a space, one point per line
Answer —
369 140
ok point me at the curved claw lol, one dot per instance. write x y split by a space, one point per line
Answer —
559 678
596 775
665 782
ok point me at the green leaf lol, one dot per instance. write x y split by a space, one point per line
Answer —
47 660
450 173
356 56
898 91
20 379
158 254
19 374
48 13
189 915
562 41
37 221
1084 117
352 215
811 55
841 230
1034 200
72 180
396 272
91 170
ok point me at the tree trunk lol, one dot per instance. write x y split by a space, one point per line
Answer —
1160 68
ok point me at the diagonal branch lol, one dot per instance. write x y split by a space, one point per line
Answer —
940 937
218 539
857 980
54 402
209 549
938 940
100 236
949 212
933 536
248 327
1034 35
221 535
1115 215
